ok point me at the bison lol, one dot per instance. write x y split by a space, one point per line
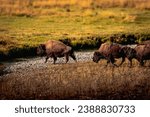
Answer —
146 42
55 49
142 53
109 51
129 53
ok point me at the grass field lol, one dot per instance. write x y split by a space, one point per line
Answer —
86 80
24 25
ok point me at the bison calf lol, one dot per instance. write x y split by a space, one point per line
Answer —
55 49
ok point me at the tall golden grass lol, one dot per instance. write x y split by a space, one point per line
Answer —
86 80
11 7
83 3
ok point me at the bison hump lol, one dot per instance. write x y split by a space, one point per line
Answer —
52 44
109 48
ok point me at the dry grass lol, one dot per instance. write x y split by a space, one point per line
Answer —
78 81
34 7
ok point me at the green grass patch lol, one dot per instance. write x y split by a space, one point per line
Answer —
83 26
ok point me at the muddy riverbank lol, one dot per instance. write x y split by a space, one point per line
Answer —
25 64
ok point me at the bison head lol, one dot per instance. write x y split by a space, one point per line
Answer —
97 56
41 50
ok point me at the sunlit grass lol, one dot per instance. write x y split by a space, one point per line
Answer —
43 7
32 25
32 31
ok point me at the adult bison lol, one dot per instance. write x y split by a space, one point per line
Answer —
129 53
109 51
55 49
146 42
142 53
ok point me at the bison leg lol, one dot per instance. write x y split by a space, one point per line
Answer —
130 59
55 58
73 57
140 59
46 59
114 65
112 60
67 58
107 63
123 59
141 62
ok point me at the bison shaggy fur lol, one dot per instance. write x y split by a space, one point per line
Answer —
55 49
